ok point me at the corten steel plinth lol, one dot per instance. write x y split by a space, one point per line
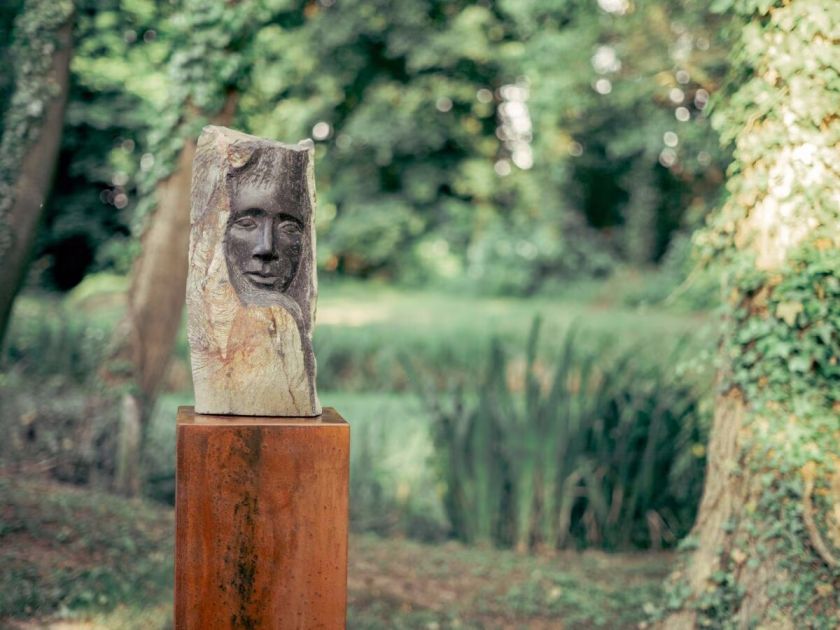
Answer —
261 521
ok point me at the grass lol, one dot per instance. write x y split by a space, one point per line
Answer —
592 448
366 334
359 304
99 561
64 550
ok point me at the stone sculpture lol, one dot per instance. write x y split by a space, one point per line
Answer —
252 285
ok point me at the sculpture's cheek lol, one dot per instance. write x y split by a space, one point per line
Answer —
290 251
238 249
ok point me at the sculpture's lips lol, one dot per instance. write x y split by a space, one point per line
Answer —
262 278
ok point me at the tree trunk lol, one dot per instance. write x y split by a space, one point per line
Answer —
640 229
127 477
30 145
147 332
765 544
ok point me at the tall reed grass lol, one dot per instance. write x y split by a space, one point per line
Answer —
594 448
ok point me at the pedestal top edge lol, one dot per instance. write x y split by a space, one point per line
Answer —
188 416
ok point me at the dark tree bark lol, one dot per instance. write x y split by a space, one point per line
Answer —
36 148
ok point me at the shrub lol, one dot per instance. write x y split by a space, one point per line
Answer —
601 449
53 413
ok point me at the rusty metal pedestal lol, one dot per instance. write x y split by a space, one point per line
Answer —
261 522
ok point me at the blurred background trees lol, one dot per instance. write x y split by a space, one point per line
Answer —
478 163
497 147
504 148
501 146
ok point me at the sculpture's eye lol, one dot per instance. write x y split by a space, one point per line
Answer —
245 223
290 227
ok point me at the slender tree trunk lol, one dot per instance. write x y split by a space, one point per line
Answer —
765 544
640 216
27 191
146 335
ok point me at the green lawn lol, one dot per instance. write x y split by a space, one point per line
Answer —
595 304
368 334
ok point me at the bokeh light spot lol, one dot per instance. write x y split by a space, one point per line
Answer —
444 104
321 130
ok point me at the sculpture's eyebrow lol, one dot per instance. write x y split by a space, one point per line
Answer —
249 212
271 200
283 216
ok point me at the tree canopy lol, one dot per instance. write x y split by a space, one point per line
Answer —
500 144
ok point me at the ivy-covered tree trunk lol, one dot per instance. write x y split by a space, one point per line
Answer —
153 312
147 332
31 134
206 76
765 550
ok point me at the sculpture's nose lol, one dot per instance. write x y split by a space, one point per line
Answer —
265 243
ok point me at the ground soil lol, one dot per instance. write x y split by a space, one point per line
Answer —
64 551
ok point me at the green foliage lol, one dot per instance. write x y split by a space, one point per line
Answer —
409 151
114 98
145 77
48 340
204 66
622 129
783 351
8 11
594 448
781 118
787 341
422 176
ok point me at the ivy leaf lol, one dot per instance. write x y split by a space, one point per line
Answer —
721 6
788 311
800 364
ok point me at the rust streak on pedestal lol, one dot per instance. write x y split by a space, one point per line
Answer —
261 521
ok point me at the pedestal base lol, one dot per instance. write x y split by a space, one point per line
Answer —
261 521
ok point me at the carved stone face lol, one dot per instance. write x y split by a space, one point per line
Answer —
264 238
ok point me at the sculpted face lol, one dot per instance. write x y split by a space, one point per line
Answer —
264 238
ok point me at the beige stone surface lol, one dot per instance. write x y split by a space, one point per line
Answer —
252 286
